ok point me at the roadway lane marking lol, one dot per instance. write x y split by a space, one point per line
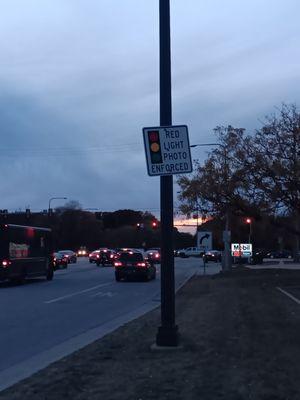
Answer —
104 294
67 296
289 295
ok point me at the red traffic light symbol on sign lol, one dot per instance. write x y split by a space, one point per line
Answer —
155 148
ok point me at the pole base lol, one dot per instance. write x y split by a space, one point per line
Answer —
167 336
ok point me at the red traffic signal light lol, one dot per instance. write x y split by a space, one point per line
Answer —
248 220
155 148
154 224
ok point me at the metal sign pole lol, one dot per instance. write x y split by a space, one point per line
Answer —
167 334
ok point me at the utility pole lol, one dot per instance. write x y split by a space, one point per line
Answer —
227 264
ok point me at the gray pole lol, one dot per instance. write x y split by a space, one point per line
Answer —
54 198
227 259
226 239
167 334
250 232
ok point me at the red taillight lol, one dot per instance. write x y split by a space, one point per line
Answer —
156 255
118 264
111 256
97 256
54 259
5 263
141 264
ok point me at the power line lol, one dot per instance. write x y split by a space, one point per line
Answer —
69 151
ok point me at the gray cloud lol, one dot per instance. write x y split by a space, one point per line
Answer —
79 80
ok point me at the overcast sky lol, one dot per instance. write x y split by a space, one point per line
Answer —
79 80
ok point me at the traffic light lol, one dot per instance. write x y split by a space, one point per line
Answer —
155 148
248 220
154 224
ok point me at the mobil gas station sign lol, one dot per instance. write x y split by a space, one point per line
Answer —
241 249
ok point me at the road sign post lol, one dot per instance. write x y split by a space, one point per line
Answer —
167 151
167 334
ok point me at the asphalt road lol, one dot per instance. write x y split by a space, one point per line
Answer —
42 321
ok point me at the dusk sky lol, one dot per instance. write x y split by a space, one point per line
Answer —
80 79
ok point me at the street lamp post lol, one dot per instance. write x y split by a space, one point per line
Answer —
54 198
226 264
249 222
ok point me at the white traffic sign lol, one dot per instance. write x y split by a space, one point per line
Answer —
241 249
167 150
204 240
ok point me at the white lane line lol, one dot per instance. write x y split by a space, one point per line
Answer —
104 294
76 293
289 295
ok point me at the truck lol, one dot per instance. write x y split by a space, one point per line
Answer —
25 252
190 252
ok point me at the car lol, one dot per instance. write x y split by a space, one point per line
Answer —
133 264
93 256
153 255
176 252
279 254
190 252
257 257
102 256
59 261
213 255
70 255
82 252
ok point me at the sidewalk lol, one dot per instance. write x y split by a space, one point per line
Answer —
239 340
284 264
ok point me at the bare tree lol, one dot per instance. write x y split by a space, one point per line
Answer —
277 166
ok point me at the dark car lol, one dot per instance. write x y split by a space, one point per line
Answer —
70 255
102 256
153 255
106 257
213 255
279 254
93 256
59 261
176 253
257 257
131 264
